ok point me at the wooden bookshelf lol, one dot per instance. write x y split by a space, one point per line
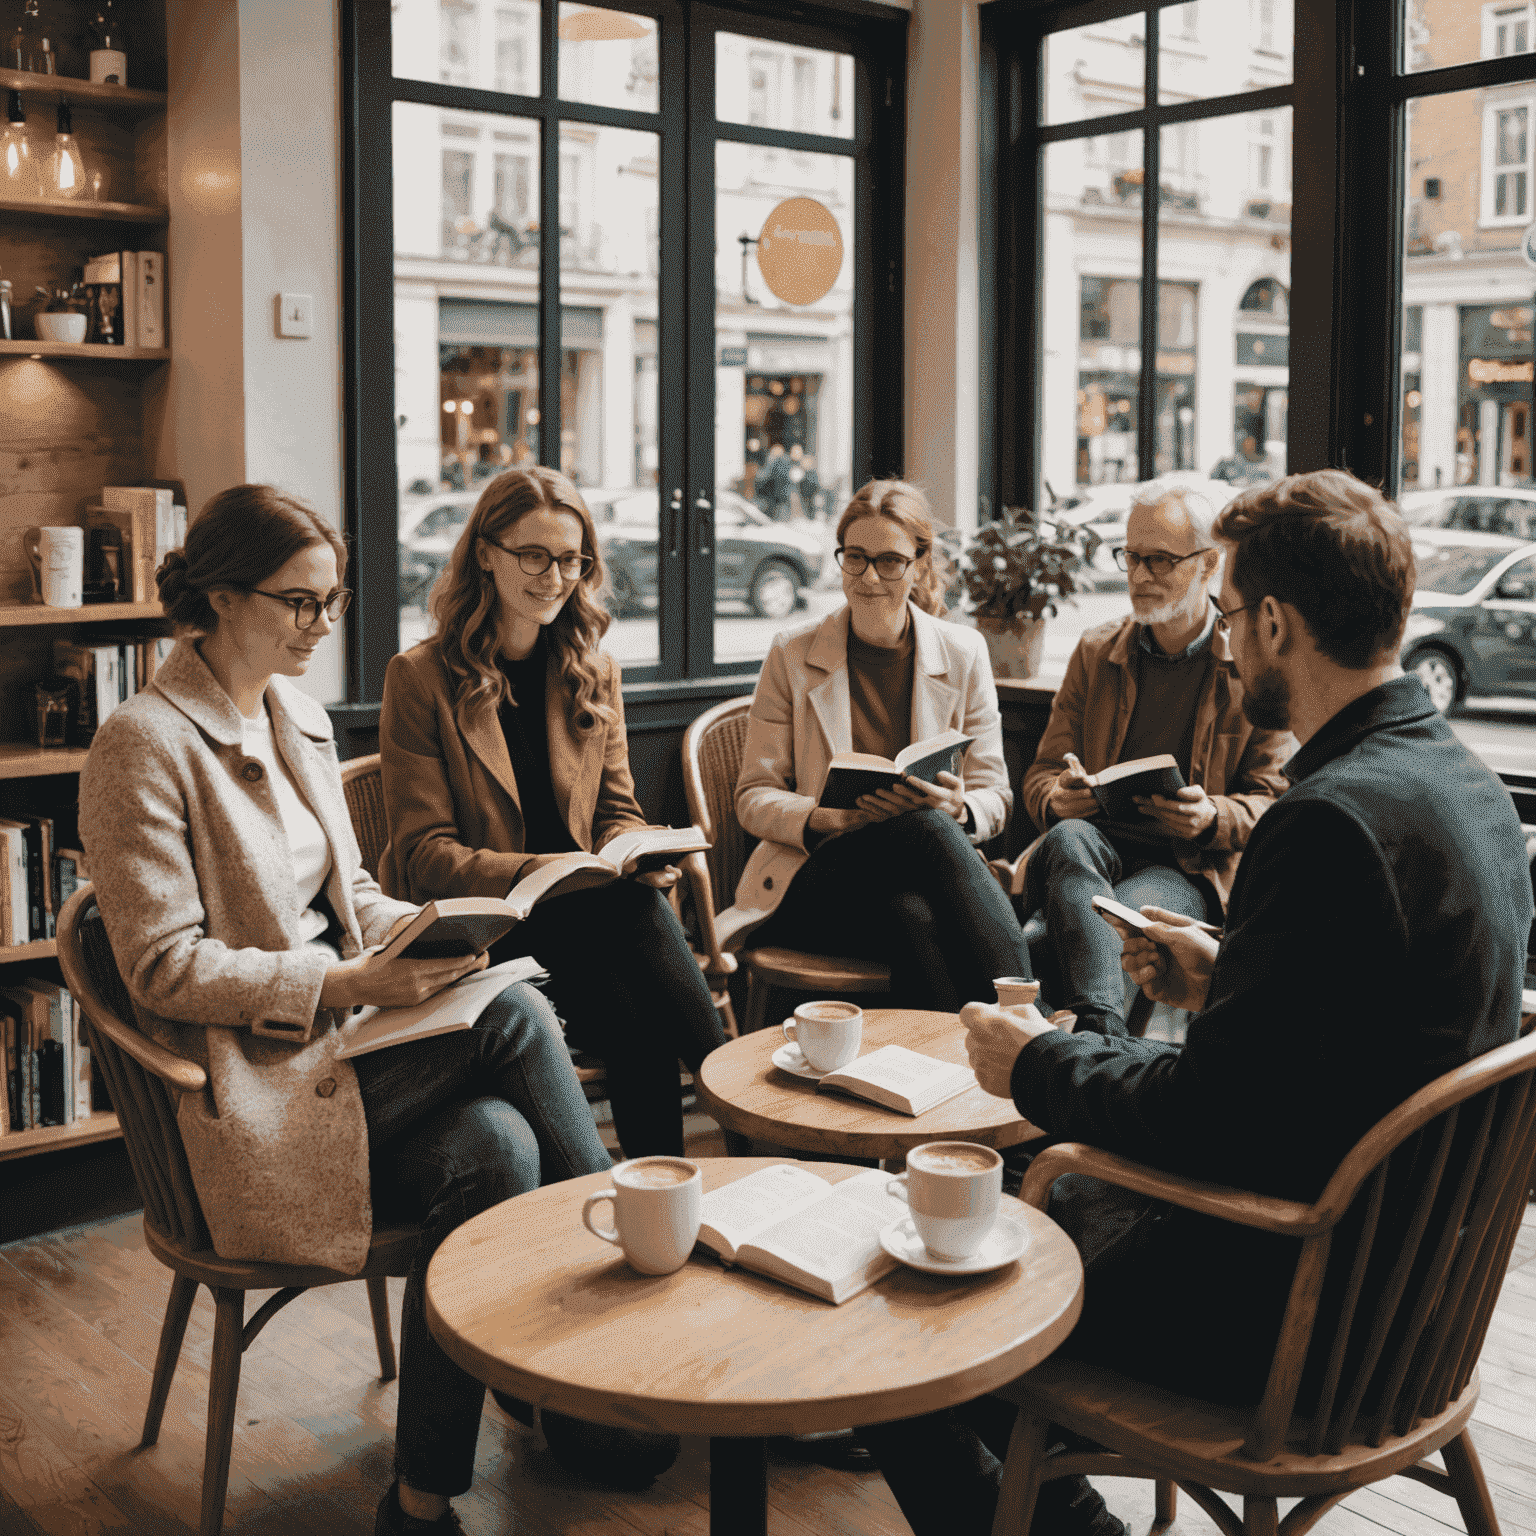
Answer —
84 208
101 1126
14 614
91 349
38 949
120 100
25 760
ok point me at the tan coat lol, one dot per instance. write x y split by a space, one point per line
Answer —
455 821
1238 765
194 879
802 715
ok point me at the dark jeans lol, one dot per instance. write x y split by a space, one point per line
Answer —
457 1124
913 893
1075 862
627 985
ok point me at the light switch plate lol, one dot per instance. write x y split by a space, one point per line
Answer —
296 315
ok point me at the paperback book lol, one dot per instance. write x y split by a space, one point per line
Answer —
1116 789
851 774
899 1079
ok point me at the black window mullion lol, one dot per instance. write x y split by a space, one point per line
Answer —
551 448
1151 182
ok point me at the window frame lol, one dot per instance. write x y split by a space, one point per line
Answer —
1491 12
1490 171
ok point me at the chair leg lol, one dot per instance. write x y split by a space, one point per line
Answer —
378 1304
223 1385
1021 1475
1261 1517
727 1013
1469 1486
1166 1509
178 1308
757 1002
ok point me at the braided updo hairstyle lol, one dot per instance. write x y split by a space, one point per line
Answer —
236 542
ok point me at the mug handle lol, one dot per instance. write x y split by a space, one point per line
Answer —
608 1234
788 1026
897 1186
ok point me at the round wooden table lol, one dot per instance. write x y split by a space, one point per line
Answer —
742 1089
528 1301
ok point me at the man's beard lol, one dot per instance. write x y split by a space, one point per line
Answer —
1188 607
1267 701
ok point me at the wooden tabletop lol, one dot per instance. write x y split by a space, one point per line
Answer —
739 1085
528 1301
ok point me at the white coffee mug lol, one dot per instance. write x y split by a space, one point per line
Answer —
952 1189
828 1033
58 561
658 1203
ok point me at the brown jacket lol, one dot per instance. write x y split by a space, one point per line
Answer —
455 822
1238 765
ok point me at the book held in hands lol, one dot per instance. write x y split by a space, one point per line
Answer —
1117 788
895 1078
851 774
456 1007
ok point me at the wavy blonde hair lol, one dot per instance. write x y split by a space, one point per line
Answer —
902 503
467 612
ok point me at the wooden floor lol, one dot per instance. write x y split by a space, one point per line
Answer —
80 1314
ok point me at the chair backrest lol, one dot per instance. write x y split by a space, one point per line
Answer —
712 751
1391 1300
144 1096
362 782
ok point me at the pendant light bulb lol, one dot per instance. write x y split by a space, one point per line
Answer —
18 165
66 170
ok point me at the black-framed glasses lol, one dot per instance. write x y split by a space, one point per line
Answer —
1224 616
307 610
889 566
1159 564
534 560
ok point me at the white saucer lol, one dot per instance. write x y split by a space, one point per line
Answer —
1004 1243
789 1058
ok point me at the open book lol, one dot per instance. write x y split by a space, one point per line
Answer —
788 1224
1116 788
455 1007
899 1079
852 774
630 853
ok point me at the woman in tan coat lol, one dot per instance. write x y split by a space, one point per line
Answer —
228 877
503 746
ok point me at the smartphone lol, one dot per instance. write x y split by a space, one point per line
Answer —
1134 919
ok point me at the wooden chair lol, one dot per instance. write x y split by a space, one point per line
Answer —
1442 1181
712 751
362 782
146 1082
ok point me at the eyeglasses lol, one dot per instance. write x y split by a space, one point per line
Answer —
535 561
889 566
307 610
1224 616
1159 564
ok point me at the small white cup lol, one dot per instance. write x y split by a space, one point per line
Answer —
61 326
658 1203
58 564
1014 990
828 1033
952 1189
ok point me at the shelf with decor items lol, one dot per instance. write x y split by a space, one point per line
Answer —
13 614
124 101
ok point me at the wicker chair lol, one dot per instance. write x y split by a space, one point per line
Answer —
712 751
1422 1214
146 1081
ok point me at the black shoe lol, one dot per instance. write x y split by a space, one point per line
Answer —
1072 1506
613 1458
391 1520
838 1449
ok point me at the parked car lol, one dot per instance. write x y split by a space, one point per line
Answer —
1473 624
1474 509
762 563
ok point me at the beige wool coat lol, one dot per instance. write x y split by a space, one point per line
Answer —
194 879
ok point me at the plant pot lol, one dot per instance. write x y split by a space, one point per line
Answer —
1015 645
60 326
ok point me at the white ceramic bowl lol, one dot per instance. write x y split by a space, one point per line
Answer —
61 327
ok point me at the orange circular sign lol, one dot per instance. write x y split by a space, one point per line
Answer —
800 251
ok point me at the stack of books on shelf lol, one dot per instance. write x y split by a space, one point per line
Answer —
135 527
47 1064
36 878
127 298
107 670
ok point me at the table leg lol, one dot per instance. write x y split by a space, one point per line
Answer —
738 1487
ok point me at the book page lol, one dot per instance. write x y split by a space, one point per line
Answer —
530 888
835 1240
908 1073
621 851
455 1007
735 1213
862 760
943 747
1136 766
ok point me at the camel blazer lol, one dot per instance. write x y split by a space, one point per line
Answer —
801 715
194 879
455 822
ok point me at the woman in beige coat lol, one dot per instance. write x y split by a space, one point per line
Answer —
228 877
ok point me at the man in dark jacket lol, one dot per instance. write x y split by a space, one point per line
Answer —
1375 938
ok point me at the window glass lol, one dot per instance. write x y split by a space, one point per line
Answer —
492 45
1095 71
609 58
1453 569
1437 33
773 85
1223 47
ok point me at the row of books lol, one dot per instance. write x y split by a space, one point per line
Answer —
127 296
134 527
47 1063
36 878
103 674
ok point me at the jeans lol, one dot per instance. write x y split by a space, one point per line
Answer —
1074 863
914 894
623 978
456 1124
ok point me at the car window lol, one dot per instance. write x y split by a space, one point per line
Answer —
1517 518
1478 514
1431 513
1521 574
1456 569
443 520
727 516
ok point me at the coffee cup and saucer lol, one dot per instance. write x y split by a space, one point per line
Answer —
960 1223
820 1038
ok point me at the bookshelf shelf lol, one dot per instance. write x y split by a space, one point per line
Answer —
25 760
28 614
110 213
101 1126
78 349
38 949
120 100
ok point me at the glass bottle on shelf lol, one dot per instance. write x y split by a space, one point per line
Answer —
66 170
30 47
109 45
19 169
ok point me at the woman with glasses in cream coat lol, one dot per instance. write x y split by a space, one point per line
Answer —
898 879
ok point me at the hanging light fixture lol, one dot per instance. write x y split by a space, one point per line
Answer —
593 26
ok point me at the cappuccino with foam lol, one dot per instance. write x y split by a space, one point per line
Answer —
952 1189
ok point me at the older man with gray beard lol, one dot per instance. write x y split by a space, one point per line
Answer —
1158 681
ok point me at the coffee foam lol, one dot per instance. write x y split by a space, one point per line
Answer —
827 1013
656 1176
953 1160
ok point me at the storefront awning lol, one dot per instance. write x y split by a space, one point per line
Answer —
496 323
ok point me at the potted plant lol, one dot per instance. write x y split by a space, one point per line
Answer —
1011 575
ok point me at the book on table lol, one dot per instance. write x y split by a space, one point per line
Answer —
851 774
896 1078
787 1223
469 925
456 1007
1116 789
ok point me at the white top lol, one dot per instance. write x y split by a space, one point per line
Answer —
306 837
